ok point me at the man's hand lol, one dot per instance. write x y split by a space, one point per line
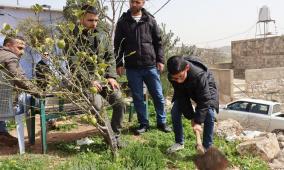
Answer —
160 67
113 83
97 85
196 126
120 70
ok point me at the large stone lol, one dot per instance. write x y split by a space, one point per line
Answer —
280 138
228 128
281 145
266 147
278 162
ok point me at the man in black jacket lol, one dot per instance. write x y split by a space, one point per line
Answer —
94 43
138 47
192 81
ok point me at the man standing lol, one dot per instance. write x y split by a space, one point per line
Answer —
11 74
138 42
91 41
192 81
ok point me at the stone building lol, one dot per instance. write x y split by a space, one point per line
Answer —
256 54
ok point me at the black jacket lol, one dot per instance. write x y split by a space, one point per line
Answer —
140 43
199 86
93 43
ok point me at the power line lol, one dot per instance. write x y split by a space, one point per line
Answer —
162 7
227 37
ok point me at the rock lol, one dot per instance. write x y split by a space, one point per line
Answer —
280 138
168 105
280 156
281 145
265 146
278 162
228 127
276 165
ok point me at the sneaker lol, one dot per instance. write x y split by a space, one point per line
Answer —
175 147
7 139
141 129
163 127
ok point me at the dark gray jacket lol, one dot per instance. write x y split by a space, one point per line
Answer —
94 43
140 43
199 86
10 68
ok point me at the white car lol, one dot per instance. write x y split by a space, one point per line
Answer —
254 114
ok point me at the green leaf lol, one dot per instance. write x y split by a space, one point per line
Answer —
130 54
37 8
103 65
71 26
6 27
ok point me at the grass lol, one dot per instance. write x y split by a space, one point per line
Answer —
143 152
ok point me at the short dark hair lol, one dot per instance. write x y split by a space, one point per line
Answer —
176 64
10 39
89 9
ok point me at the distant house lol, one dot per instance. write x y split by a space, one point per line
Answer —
13 14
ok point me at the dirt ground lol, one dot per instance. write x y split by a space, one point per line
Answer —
82 131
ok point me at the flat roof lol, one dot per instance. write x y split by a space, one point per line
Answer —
28 8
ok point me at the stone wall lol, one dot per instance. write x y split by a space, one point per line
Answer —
224 79
214 56
267 83
256 54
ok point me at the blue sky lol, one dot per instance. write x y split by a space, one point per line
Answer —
206 23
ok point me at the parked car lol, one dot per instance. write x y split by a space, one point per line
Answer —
254 114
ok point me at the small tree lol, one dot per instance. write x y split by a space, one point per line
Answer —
72 82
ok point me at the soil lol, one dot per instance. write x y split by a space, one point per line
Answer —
83 130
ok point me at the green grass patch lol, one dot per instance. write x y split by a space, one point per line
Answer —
66 127
28 161
147 151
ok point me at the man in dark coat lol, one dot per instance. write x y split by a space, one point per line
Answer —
95 43
192 81
138 47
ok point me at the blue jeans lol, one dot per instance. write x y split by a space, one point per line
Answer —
176 113
3 128
24 103
150 76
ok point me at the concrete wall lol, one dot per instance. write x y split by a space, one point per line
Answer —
267 83
224 79
221 66
256 54
214 56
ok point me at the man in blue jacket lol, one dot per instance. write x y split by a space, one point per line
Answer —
192 81
138 47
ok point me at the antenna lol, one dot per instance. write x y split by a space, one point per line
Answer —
264 20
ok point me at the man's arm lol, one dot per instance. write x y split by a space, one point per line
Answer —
118 45
157 43
203 98
109 58
178 92
18 75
